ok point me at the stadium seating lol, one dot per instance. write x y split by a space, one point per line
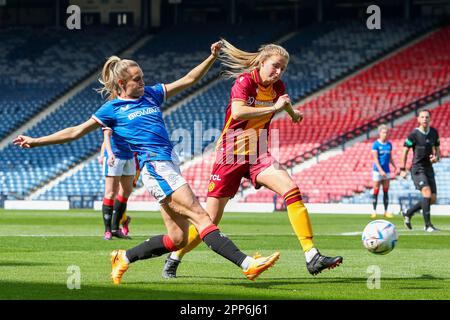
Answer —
413 73
310 61
175 51
38 66
164 58
61 60
209 106
339 177
27 169
338 110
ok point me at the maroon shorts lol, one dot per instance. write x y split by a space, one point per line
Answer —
225 178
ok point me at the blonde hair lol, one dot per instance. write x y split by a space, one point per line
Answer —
382 127
113 70
237 61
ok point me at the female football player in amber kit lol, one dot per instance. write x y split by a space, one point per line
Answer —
257 95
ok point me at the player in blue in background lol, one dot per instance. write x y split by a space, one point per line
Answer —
133 113
381 172
119 168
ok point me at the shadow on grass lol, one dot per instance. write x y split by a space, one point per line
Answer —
22 264
10 290
317 279
230 288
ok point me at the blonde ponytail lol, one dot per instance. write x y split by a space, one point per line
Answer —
113 70
237 61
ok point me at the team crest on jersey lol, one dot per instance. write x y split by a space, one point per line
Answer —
125 108
172 178
211 186
150 100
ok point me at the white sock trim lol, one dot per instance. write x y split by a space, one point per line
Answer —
125 258
174 256
246 263
310 254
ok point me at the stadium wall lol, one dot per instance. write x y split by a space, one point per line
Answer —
319 208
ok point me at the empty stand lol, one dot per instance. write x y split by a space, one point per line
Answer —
351 172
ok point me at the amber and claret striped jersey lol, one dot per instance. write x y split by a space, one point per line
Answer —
249 137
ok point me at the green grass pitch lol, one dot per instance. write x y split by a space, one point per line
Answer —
38 247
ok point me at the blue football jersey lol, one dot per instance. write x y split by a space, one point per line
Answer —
139 122
120 147
384 155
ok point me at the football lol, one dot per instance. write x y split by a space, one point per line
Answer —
379 237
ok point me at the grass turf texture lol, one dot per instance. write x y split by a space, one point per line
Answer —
38 247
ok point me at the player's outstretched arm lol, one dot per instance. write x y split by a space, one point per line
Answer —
296 115
195 74
59 137
240 110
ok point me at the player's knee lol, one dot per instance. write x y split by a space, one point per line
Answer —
125 193
426 192
179 239
180 242
433 198
110 194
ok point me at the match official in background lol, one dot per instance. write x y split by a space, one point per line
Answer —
424 140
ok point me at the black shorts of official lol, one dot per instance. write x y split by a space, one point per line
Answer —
422 177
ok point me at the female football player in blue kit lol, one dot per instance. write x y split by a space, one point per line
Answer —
119 168
381 172
133 113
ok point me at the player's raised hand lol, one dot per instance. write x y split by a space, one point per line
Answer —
24 142
282 102
215 48
297 117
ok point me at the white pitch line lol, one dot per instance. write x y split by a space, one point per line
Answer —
354 233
